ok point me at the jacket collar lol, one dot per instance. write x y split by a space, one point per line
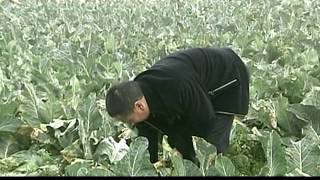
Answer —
153 99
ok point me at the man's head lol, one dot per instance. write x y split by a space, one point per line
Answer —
126 102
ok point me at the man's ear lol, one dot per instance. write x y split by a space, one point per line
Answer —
139 105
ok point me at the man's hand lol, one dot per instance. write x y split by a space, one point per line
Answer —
166 163
127 133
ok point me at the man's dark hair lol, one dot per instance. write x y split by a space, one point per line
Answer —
120 98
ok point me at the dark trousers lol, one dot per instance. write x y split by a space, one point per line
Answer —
220 134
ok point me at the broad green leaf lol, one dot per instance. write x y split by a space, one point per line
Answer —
206 154
246 152
90 114
53 108
223 167
89 120
297 172
303 156
137 161
241 163
2 83
312 56
31 163
76 90
177 162
292 85
72 151
180 166
114 150
276 162
264 171
30 168
78 168
8 109
110 43
191 168
108 126
99 171
308 114
8 145
65 50
64 131
311 133
8 164
9 124
164 171
86 168
119 68
35 111
12 46
286 120
31 107
313 97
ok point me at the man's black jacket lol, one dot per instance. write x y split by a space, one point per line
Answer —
176 89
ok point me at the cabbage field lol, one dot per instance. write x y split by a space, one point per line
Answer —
58 57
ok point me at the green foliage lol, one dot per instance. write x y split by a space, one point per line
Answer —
303 155
136 162
276 163
57 58
224 166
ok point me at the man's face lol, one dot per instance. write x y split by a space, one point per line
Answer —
140 113
133 118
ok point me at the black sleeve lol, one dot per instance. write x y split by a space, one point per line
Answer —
183 143
152 135
196 107
188 99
